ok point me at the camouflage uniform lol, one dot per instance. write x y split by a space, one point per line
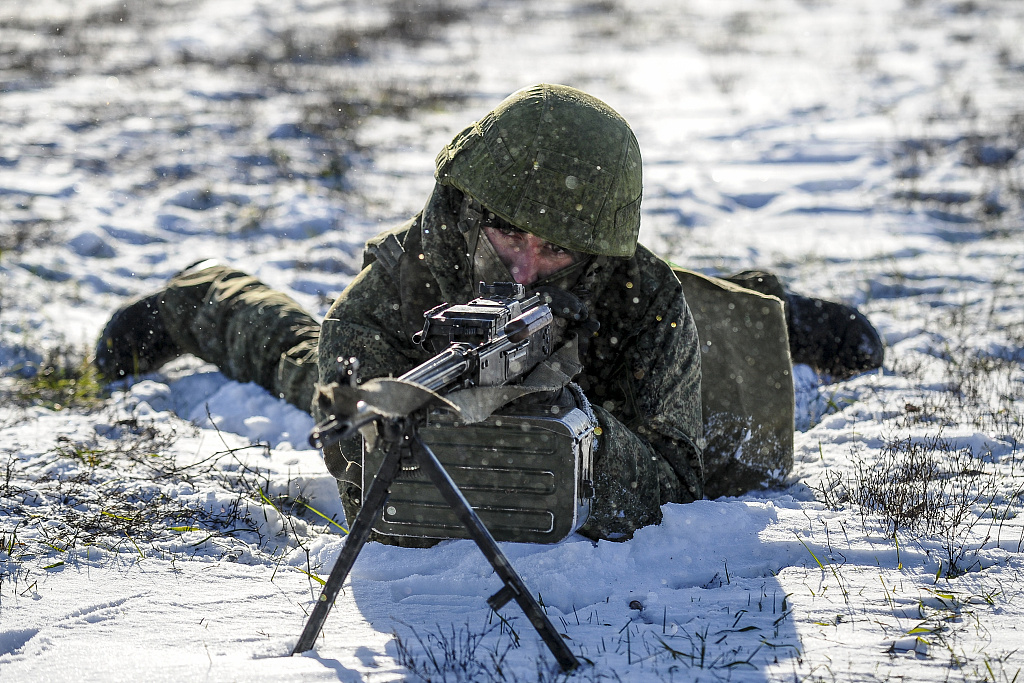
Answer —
642 372
250 331
642 369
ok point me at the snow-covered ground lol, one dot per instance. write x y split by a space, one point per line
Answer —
865 150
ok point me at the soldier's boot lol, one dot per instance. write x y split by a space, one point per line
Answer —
135 340
833 338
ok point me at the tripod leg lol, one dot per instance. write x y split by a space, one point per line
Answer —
373 501
514 587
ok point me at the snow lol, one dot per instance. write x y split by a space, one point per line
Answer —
866 151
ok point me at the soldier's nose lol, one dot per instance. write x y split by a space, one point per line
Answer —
527 260
524 268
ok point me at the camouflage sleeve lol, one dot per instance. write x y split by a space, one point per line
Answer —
365 322
663 376
649 411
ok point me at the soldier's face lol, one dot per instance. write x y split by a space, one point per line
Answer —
528 257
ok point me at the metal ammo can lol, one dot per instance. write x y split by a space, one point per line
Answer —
527 474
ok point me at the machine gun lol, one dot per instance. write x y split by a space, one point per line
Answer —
492 341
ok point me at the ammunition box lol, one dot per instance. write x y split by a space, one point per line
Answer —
527 475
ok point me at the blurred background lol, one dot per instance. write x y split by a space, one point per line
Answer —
867 151
282 134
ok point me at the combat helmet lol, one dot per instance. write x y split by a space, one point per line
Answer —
556 162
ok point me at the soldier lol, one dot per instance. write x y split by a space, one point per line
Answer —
544 190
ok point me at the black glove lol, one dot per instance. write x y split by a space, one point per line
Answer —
572 312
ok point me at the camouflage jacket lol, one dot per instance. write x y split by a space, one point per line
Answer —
642 369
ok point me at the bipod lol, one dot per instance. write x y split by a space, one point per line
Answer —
401 435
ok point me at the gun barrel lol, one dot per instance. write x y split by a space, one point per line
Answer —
443 369
334 430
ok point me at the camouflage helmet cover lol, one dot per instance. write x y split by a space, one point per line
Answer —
556 162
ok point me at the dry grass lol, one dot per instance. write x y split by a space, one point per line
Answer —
65 378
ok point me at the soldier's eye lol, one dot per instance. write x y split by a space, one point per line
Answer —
561 252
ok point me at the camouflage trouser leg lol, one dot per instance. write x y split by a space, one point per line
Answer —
250 331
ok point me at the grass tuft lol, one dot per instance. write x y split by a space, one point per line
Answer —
66 378
455 655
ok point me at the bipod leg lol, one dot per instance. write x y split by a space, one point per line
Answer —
358 533
514 588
